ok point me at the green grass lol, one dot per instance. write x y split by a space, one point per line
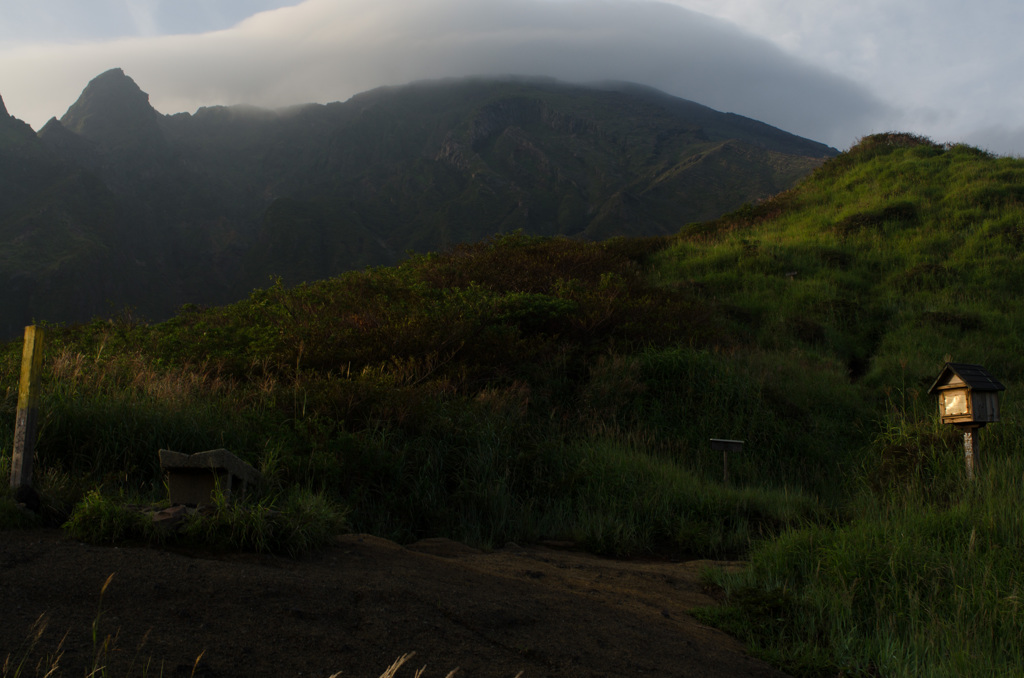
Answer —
624 502
456 395
893 258
294 525
907 588
526 388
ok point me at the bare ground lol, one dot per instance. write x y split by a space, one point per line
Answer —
358 606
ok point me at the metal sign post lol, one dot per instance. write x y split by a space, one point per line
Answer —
725 447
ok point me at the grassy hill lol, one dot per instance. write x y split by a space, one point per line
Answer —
522 388
892 259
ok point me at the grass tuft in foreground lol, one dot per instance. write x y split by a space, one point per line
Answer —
912 585
297 524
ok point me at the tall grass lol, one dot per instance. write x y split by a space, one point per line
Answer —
907 588
624 501
522 388
892 259
455 395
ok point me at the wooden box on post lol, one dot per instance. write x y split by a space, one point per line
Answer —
968 398
968 395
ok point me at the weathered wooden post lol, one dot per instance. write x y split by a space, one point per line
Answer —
726 446
970 448
968 399
28 398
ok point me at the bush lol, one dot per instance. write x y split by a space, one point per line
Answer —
300 523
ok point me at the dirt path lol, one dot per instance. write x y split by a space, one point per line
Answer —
358 606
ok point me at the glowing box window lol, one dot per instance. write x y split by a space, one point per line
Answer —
956 403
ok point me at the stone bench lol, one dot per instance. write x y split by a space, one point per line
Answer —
194 479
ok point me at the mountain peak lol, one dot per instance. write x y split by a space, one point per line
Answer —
13 130
113 112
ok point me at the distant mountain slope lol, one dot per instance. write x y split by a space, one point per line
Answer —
153 211
58 233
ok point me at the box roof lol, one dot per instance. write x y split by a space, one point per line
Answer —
975 377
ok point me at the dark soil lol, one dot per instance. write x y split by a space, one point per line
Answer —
356 608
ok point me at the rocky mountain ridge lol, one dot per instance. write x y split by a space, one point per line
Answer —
116 204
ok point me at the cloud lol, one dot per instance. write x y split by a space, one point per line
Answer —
328 50
143 15
26 21
953 65
999 139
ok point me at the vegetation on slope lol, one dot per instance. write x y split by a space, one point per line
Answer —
523 388
894 258
477 394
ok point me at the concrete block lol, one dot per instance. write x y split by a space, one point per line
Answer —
194 478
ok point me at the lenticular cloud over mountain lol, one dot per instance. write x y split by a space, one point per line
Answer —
327 50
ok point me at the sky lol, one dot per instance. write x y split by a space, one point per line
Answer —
830 70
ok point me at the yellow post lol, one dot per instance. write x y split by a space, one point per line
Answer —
28 398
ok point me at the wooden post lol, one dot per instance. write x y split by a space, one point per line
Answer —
28 398
970 449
